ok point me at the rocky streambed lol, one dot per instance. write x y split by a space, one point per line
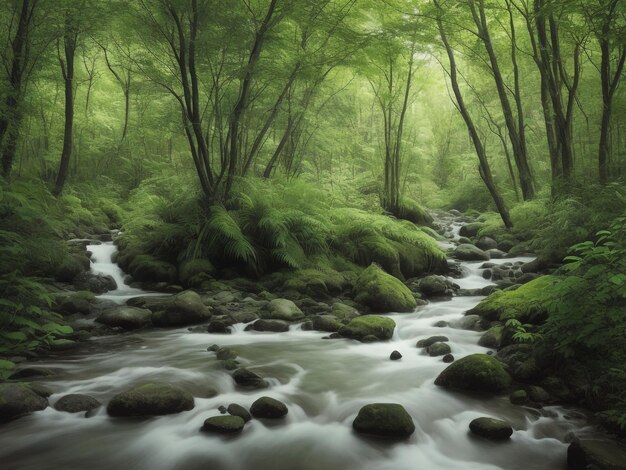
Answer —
267 384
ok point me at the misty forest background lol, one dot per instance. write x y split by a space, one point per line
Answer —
292 143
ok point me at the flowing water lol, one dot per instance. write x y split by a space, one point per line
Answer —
323 382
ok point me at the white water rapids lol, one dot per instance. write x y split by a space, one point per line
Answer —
323 382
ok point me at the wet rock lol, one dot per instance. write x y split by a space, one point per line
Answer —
152 399
269 408
384 420
246 378
496 254
223 424
237 410
424 343
395 356
218 326
519 397
77 302
276 326
96 283
382 292
129 318
183 309
492 338
369 325
75 403
282 309
230 364
224 354
436 286
28 372
438 349
448 358
583 454
491 428
486 243
328 323
18 399
538 394
467 252
343 312
441 324
213 347
470 230
41 389
475 373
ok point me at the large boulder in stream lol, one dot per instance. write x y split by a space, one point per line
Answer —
282 309
384 420
467 252
491 428
129 318
18 399
246 378
223 424
583 454
152 399
475 373
369 325
76 403
382 292
96 283
268 408
184 309
436 286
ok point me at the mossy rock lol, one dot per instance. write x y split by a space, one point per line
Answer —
268 408
152 399
77 302
492 338
526 304
193 273
475 373
18 399
75 403
128 318
282 309
491 428
410 210
223 424
384 420
468 252
237 410
369 325
343 312
147 268
382 292
71 266
328 323
186 308
317 283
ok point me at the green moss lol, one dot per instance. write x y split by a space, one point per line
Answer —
410 210
146 268
475 373
193 273
316 282
383 292
526 304
369 325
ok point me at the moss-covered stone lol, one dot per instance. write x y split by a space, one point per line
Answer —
192 273
128 318
410 210
475 373
146 268
491 428
17 399
223 424
467 252
184 309
369 325
150 399
526 304
237 410
76 302
75 403
246 378
317 283
268 408
328 323
438 349
384 420
70 267
343 312
382 292
492 338
282 309
424 343
470 230
276 326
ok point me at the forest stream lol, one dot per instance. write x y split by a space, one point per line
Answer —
323 382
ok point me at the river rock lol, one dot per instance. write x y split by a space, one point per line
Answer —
435 286
384 420
424 343
28 372
129 318
18 399
77 302
491 428
224 354
152 399
496 254
75 403
343 312
238 410
492 338
470 230
246 378
277 326
438 349
146 268
96 283
475 373
468 322
395 356
269 408
448 358
583 454
184 309
382 292
328 323
282 309
369 325
486 243
218 326
223 424
467 252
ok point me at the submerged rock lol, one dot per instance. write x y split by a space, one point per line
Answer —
475 373
491 428
18 399
223 424
384 420
359 328
75 403
382 292
150 399
269 408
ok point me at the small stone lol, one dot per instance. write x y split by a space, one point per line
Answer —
270 408
223 424
448 358
221 409
238 410
491 428
395 355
